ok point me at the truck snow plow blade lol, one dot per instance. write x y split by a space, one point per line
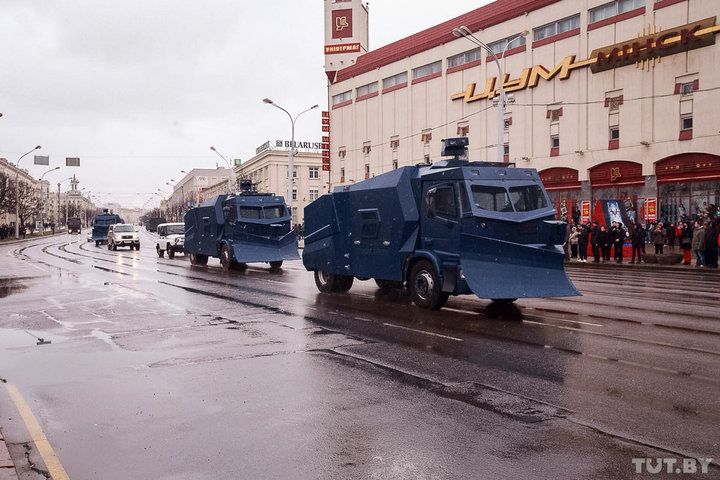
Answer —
250 252
497 269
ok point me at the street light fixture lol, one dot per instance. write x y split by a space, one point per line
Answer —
17 191
291 153
42 211
465 32
231 178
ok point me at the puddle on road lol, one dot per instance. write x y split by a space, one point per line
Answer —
8 286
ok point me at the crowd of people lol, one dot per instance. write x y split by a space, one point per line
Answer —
698 239
8 231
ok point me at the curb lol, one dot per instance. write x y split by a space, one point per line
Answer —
649 267
37 237
7 467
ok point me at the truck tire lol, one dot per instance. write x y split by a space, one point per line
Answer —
114 247
97 243
161 253
329 283
275 266
198 259
503 301
425 287
388 284
109 246
226 258
171 253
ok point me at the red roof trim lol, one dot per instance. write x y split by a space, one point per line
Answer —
492 14
394 87
665 3
556 38
427 77
617 18
465 66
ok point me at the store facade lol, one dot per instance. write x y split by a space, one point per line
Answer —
610 100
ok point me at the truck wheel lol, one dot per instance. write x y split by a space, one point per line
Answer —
171 253
425 288
97 243
328 283
226 259
276 265
161 253
109 246
198 259
114 247
388 284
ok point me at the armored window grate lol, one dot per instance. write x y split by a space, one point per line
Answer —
370 223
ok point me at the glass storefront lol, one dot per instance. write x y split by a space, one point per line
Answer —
687 199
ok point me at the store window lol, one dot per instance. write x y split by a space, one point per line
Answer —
342 97
498 46
427 70
614 8
464 58
366 89
395 80
556 28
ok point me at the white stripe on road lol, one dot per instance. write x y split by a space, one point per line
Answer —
423 332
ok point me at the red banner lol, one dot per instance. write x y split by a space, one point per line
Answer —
326 167
342 23
651 209
584 211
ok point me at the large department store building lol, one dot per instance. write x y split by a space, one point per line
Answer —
609 100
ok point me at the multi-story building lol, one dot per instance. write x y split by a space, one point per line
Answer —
188 192
607 99
59 205
268 171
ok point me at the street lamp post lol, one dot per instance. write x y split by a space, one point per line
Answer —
42 210
465 32
17 191
291 153
58 201
232 184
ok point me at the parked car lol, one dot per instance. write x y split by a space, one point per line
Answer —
171 239
123 235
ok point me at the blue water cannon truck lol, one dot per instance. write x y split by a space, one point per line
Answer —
101 224
453 227
240 229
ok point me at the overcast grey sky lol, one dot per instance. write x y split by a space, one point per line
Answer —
140 89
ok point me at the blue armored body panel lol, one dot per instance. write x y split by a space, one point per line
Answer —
100 225
240 229
449 228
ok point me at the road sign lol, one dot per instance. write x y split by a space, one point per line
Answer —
72 162
42 160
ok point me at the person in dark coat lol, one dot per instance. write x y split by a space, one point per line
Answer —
638 240
605 245
711 244
617 239
583 237
659 238
595 239
670 234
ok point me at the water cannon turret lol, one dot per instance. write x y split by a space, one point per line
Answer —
455 147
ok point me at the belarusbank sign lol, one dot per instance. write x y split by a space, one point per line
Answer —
638 50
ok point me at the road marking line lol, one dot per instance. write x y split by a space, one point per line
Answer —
424 332
52 462
363 319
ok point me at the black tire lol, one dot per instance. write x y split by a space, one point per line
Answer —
503 301
109 246
226 258
97 243
425 287
161 253
198 259
114 247
388 284
274 266
137 247
171 253
329 283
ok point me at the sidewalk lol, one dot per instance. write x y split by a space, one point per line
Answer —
11 240
626 265
7 468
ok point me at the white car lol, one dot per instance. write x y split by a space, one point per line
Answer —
123 235
89 236
171 239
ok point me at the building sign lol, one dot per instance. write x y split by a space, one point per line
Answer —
72 162
342 48
651 209
42 160
342 24
263 147
326 141
285 144
649 47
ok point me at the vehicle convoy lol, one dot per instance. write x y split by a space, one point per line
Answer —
171 239
450 228
101 224
74 226
241 229
123 235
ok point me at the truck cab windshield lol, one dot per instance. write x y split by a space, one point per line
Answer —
522 198
269 212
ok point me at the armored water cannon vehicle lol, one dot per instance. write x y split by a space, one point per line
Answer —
101 224
241 229
451 228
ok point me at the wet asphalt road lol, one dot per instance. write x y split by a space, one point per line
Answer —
160 370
